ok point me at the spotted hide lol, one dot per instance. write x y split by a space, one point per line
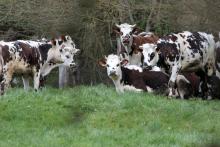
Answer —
184 52
132 77
34 58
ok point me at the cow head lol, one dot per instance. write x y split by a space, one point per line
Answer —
151 55
125 32
62 53
68 50
113 64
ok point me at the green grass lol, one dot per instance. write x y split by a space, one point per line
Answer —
99 117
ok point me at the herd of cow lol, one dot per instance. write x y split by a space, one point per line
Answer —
185 64
34 58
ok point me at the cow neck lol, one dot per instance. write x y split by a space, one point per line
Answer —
119 83
161 63
44 49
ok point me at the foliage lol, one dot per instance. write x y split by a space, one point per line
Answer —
98 116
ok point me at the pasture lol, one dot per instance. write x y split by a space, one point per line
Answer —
88 116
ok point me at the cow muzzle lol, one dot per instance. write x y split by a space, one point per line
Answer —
113 75
126 41
73 66
77 52
147 67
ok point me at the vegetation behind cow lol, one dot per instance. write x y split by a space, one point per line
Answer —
90 23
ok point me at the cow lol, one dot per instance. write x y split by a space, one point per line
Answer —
132 77
188 85
184 52
24 58
43 44
131 40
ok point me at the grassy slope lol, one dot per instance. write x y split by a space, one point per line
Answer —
97 116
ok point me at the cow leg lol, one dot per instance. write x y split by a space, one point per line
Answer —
203 88
42 81
36 81
172 81
26 83
7 77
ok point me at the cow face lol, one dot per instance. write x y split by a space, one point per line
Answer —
60 54
67 55
125 33
150 54
113 65
68 50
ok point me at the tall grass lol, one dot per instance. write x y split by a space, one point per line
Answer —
98 116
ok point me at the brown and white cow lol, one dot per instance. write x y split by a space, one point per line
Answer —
184 52
131 40
34 58
43 44
132 77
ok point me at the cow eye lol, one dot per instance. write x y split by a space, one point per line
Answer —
61 50
117 65
152 55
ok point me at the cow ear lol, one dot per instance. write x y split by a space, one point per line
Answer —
53 41
124 62
116 30
158 50
68 37
102 62
63 38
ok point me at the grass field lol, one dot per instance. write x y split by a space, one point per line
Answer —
98 117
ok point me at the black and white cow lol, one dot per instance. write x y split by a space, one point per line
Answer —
34 58
132 77
184 52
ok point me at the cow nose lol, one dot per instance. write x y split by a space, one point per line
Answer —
112 73
78 52
72 65
146 66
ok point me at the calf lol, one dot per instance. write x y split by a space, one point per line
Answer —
27 59
184 52
131 41
188 85
132 77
